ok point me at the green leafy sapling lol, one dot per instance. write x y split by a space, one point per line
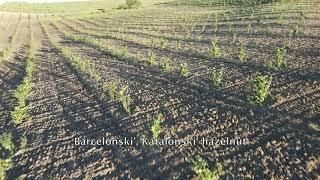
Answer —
156 128
125 98
261 89
217 77
165 64
242 53
163 43
151 58
111 90
201 168
215 50
184 69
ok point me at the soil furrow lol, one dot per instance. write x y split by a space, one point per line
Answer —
12 71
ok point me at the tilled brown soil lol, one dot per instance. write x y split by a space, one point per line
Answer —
62 108
64 104
12 70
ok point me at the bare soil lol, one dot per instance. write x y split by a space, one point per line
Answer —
283 133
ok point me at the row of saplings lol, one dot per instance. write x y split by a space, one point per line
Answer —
261 90
11 142
260 85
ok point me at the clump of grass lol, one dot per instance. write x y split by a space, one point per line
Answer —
165 64
242 53
217 77
125 98
184 69
156 126
151 58
215 50
261 89
201 168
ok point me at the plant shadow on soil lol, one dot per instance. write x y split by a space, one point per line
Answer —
142 163
79 111
11 75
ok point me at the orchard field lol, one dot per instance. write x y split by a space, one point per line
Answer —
167 70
